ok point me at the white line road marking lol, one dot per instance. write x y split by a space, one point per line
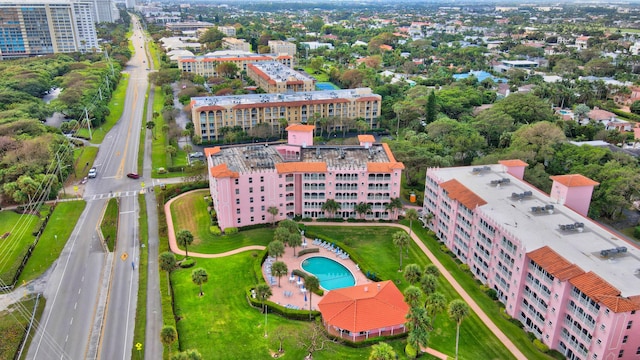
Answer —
71 322
75 306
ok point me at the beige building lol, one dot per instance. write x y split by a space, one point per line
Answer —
340 107
282 47
274 77
206 65
235 44
227 30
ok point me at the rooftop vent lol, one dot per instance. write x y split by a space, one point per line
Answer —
542 209
618 250
502 181
481 169
578 226
520 196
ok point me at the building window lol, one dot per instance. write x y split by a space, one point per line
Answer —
250 190
280 185
606 311
263 217
262 207
262 198
238 211
629 325
602 327
595 356
251 209
599 341
638 351
261 178
238 220
237 201
237 191
250 180
621 354
251 219
237 181
262 188
251 200
625 338
280 195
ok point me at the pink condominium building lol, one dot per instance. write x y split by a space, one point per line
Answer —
298 178
570 281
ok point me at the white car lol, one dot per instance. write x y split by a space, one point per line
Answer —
93 172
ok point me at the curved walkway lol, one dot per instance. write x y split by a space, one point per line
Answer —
173 244
463 294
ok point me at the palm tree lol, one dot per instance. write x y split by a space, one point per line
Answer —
458 310
263 292
283 125
312 284
199 276
428 284
412 273
151 126
273 211
412 296
436 303
432 269
419 324
400 239
294 239
411 215
362 208
168 335
275 248
331 206
382 351
279 269
394 205
281 234
185 238
167 262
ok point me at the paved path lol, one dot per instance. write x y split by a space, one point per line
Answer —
463 294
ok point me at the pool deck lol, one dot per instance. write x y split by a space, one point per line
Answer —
294 262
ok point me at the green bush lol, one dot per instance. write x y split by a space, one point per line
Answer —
231 230
187 263
464 267
162 170
302 274
493 294
410 351
540 346
214 230
308 251
256 226
636 232
293 314
444 249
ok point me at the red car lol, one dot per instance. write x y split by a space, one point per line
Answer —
133 176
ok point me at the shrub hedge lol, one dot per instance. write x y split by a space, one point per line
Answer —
308 251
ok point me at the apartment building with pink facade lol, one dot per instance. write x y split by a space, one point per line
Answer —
570 281
298 178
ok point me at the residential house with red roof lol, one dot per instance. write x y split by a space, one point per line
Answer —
361 312
570 281
297 178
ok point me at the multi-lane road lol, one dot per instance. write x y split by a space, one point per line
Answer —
91 294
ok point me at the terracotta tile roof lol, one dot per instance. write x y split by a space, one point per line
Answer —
300 127
574 180
364 307
211 151
554 264
299 166
513 163
599 290
462 194
384 167
222 171
387 150
366 138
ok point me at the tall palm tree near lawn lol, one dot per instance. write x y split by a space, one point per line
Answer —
275 248
312 284
412 273
263 293
458 310
167 262
294 240
184 238
411 215
412 296
331 206
199 276
362 209
400 239
419 324
168 335
273 211
394 205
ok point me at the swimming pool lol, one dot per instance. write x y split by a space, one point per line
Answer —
332 274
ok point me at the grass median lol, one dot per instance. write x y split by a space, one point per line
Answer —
141 308
109 225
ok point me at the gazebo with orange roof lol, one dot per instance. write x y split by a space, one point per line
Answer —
359 312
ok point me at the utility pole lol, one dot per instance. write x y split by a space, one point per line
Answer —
86 116
60 173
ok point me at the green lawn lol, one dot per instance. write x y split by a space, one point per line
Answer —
141 308
83 156
53 239
190 212
109 225
320 76
373 249
158 148
13 324
14 246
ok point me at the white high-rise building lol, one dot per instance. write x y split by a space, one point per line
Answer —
105 11
39 27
